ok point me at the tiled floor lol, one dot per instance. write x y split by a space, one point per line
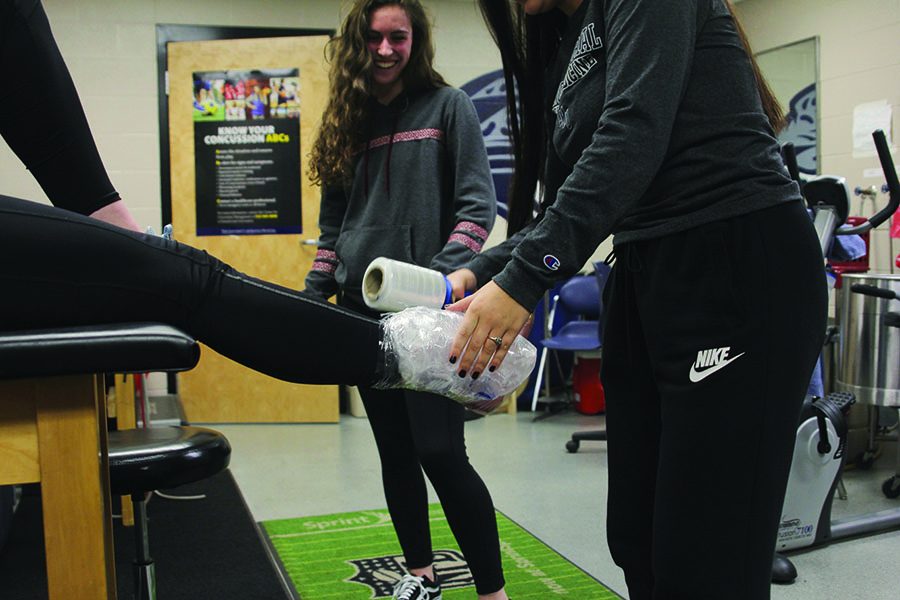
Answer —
295 470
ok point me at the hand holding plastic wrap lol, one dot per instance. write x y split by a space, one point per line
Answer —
416 347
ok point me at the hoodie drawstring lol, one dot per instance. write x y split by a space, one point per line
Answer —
366 169
387 164
395 119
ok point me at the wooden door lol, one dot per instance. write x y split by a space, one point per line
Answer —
219 390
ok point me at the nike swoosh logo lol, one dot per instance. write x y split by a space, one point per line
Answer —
696 376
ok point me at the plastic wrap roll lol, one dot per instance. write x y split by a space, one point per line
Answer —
391 285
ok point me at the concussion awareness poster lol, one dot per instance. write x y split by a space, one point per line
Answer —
247 152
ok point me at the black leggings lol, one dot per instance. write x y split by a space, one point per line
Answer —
699 447
58 268
416 431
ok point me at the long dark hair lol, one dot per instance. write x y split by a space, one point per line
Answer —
770 103
527 45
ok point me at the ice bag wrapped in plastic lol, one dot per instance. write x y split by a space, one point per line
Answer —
416 348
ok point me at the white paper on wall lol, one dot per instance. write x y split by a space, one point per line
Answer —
867 118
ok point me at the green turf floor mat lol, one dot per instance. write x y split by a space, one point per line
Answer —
354 555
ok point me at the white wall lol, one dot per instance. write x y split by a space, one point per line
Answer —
859 62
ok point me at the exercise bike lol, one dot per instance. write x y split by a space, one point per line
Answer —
822 432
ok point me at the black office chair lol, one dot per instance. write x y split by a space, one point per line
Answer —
601 272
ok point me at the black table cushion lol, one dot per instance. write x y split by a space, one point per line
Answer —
116 348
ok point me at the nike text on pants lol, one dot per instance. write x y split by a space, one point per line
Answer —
710 338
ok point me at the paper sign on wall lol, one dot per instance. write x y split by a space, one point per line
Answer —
247 152
867 118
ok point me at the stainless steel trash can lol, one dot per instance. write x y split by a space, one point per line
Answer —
869 350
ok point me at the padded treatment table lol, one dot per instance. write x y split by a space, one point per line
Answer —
53 432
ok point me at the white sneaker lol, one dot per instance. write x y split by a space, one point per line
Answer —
411 587
416 351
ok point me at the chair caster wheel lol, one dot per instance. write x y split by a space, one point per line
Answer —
572 446
783 570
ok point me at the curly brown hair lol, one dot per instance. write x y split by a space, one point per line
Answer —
350 85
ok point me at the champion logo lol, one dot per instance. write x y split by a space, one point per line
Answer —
710 361
551 262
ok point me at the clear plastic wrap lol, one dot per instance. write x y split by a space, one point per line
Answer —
416 348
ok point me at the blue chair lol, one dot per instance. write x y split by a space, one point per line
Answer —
580 296
601 273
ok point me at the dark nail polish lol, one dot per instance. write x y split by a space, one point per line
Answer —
462 373
475 375
452 360
491 368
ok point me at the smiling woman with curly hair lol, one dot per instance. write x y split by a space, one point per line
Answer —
351 85
404 174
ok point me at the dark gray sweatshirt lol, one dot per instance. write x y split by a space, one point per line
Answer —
657 127
422 193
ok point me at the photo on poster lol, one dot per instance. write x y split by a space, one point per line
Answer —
247 152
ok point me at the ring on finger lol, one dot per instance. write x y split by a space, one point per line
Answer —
497 340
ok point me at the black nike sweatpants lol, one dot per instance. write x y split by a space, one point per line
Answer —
710 338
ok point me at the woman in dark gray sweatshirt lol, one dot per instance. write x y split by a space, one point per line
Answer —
405 176
648 120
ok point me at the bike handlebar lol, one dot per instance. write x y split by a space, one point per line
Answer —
890 173
871 290
789 154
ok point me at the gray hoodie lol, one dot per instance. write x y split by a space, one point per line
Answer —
422 193
657 127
